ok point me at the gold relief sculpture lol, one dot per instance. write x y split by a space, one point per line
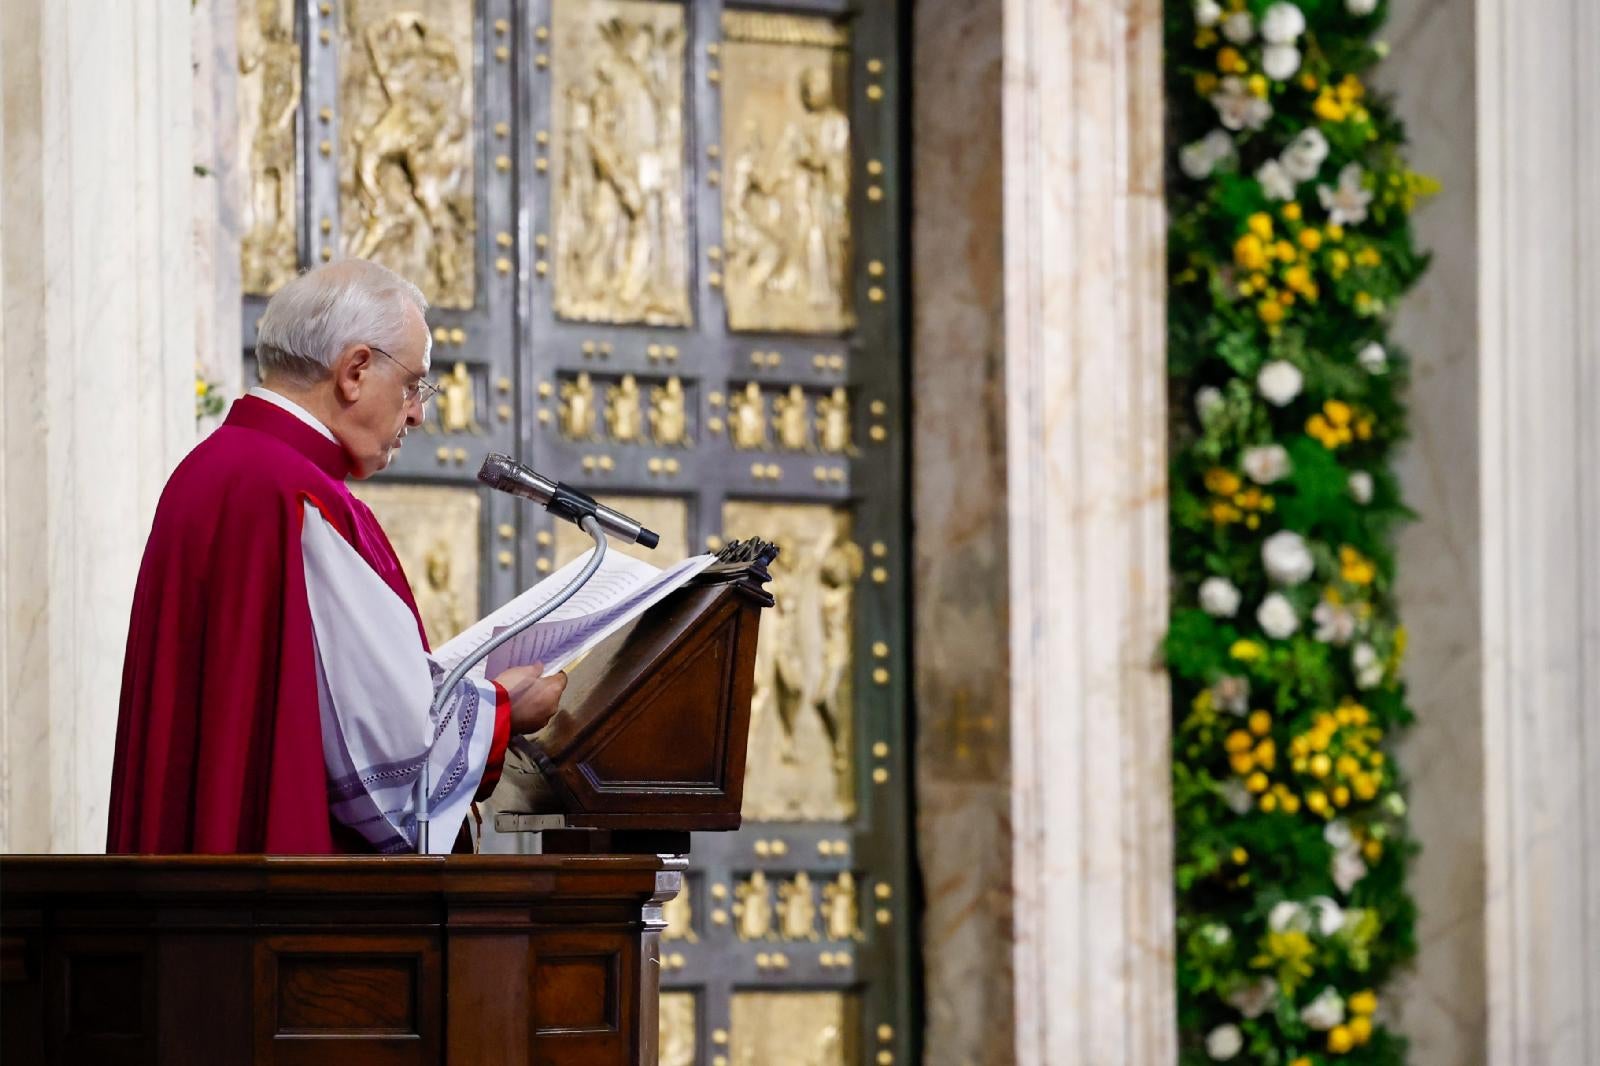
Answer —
753 908
799 761
456 408
435 532
833 422
797 908
840 908
406 143
577 407
677 1029
679 916
667 515
617 189
790 419
669 422
269 102
624 416
747 418
786 199
795 1029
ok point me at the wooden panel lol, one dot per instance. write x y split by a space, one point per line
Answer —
321 999
575 994
482 985
201 1016
102 998
578 1013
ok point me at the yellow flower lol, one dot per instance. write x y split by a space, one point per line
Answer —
1256 782
1311 239
1247 651
1240 856
1341 796
1373 850
1237 741
200 387
1351 89
1266 754
1298 278
1269 803
1260 723
1205 84
1328 107
1346 766
1363 303
1260 224
1340 1040
1338 412
1301 1061
1258 86
1360 1029
1308 82
1320 765
1285 251
1250 253
1241 763
1291 212
1223 512
1363 1002
1221 481
1271 312
1289 953
1205 38
1369 257
1354 567
1291 802
1335 232
1229 61
1317 801
1366 788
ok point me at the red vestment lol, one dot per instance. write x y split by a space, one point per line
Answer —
219 748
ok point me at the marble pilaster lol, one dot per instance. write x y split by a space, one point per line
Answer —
1085 388
1539 448
96 351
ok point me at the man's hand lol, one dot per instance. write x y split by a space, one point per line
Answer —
534 699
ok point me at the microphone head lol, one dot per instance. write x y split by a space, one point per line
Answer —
498 471
648 538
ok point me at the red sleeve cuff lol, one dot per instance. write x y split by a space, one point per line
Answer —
497 747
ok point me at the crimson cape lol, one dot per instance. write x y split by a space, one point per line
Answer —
219 743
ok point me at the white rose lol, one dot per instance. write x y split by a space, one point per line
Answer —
1361 487
1368 667
1216 934
1219 597
1275 181
1335 623
1237 797
1207 402
1373 359
1266 464
1282 24
1237 107
1289 916
1238 27
1279 382
1347 202
1286 557
1200 159
1305 154
1348 869
1253 999
1361 8
1276 616
1280 61
1336 834
1224 1042
1324 1012
1330 916
1232 694
1207 12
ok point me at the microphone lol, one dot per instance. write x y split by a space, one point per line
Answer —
506 474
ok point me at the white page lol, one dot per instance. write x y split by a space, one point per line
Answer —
623 586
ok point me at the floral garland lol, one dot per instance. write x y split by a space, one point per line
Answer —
1290 243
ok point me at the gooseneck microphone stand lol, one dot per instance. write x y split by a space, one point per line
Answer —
590 525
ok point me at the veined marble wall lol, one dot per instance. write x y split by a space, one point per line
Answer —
1442 1001
963 786
96 353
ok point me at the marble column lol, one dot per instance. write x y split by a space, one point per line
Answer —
1441 999
1085 387
219 190
1539 453
96 352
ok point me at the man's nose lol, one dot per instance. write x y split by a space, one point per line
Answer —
416 411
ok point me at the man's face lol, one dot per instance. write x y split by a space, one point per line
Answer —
380 396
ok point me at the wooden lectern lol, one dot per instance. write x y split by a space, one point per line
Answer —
547 959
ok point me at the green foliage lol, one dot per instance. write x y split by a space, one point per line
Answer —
1290 246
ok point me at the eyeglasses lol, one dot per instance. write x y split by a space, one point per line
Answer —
421 387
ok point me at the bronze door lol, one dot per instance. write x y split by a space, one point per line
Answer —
662 242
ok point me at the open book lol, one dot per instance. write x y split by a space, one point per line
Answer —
619 591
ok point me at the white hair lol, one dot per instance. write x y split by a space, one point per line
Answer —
323 311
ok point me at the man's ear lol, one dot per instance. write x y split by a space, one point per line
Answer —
350 371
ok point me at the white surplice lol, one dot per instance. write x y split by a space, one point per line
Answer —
376 684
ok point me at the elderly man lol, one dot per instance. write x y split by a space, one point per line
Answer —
277 689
